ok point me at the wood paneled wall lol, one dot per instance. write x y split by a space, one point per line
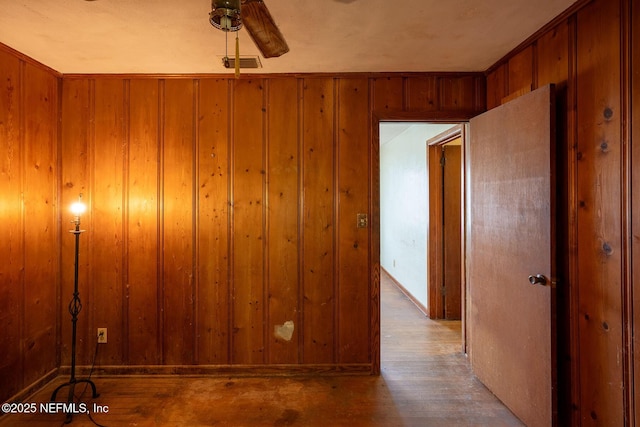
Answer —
29 229
587 56
221 229
222 224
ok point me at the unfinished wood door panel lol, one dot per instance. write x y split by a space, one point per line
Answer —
452 198
512 322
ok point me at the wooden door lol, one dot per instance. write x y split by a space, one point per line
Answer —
452 198
511 229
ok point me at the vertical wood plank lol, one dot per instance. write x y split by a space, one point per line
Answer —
496 86
283 222
11 227
319 220
457 93
142 218
76 134
41 242
451 230
521 71
554 57
599 244
635 201
248 244
388 94
106 225
178 278
213 223
422 93
353 242
374 236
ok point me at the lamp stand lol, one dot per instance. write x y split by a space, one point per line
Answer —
74 308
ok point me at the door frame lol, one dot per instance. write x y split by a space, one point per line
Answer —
435 230
374 208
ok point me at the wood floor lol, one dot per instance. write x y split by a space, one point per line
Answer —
425 381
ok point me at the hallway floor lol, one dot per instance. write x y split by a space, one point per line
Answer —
425 381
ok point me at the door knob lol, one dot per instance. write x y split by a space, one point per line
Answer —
538 279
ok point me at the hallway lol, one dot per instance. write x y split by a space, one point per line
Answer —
428 376
425 381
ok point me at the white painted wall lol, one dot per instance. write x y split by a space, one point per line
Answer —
404 203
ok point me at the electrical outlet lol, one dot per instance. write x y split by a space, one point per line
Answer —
102 335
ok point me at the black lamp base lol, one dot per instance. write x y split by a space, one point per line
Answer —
71 399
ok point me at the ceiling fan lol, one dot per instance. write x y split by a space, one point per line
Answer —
231 15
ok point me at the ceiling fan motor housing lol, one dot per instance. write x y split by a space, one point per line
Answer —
225 15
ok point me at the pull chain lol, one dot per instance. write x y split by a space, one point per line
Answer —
237 56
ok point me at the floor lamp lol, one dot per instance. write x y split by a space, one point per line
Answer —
77 209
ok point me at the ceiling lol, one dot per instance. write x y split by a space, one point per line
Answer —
333 36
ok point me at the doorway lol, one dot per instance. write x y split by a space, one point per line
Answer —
378 261
404 206
446 210
421 208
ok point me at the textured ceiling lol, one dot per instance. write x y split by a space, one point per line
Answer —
175 37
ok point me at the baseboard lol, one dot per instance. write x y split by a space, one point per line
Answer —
408 294
23 394
221 370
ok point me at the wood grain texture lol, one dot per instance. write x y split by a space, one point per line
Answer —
555 56
11 227
106 227
283 223
599 194
30 247
143 246
595 30
213 296
452 236
178 222
512 232
420 357
164 264
458 93
248 342
521 71
319 245
353 242
585 54
388 94
77 115
423 93
435 236
635 202
41 238
497 86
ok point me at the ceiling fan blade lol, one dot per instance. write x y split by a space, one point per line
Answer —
262 29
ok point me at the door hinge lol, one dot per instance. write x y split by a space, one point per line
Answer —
442 160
